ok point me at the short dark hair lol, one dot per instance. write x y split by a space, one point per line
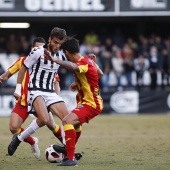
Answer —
38 39
71 45
59 33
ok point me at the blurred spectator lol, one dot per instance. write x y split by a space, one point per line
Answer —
2 44
132 45
118 38
156 41
91 38
107 67
1 71
117 63
108 44
155 62
141 65
165 68
12 44
128 56
144 46
24 46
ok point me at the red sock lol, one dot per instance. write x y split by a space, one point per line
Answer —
70 137
78 133
29 139
57 133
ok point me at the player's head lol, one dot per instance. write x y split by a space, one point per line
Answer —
38 41
70 46
57 37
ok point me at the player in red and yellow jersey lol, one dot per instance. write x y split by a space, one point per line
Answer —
19 114
89 101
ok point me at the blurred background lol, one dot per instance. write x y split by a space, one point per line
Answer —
131 39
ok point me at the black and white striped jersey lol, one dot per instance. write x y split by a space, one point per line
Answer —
42 71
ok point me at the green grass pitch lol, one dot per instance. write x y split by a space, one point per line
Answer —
108 142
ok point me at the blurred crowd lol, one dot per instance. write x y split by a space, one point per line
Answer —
127 63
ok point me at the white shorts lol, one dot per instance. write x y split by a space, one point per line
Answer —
49 99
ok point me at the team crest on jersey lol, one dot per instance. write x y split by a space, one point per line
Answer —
80 106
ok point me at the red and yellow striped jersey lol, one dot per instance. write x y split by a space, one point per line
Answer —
15 68
87 83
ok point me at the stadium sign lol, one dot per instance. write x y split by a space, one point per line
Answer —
64 5
81 8
6 104
125 102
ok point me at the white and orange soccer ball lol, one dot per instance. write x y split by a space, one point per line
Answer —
52 156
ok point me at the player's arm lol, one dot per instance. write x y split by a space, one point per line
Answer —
28 62
57 87
5 76
21 73
11 70
67 64
99 71
56 84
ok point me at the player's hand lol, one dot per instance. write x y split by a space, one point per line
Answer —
1 79
93 57
73 87
17 96
17 92
47 55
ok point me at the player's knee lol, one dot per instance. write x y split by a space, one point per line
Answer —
13 128
66 121
45 121
40 123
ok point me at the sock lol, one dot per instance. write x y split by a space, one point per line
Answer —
57 133
78 133
32 128
29 139
70 138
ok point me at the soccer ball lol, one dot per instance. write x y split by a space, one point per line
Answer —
52 156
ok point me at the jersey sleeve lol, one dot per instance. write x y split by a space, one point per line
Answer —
34 55
82 65
16 66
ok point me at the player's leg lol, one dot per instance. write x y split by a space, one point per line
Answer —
55 128
77 117
78 129
43 118
70 137
60 110
17 118
41 110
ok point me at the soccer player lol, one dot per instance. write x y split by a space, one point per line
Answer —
41 95
19 113
89 101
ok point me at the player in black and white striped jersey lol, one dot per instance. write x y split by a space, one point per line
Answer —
41 94
42 71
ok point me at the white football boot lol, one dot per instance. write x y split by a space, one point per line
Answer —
35 149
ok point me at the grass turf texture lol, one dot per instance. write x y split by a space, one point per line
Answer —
108 142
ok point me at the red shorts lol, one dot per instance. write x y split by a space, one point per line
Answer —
85 113
21 111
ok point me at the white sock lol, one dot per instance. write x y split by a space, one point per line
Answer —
63 135
29 130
